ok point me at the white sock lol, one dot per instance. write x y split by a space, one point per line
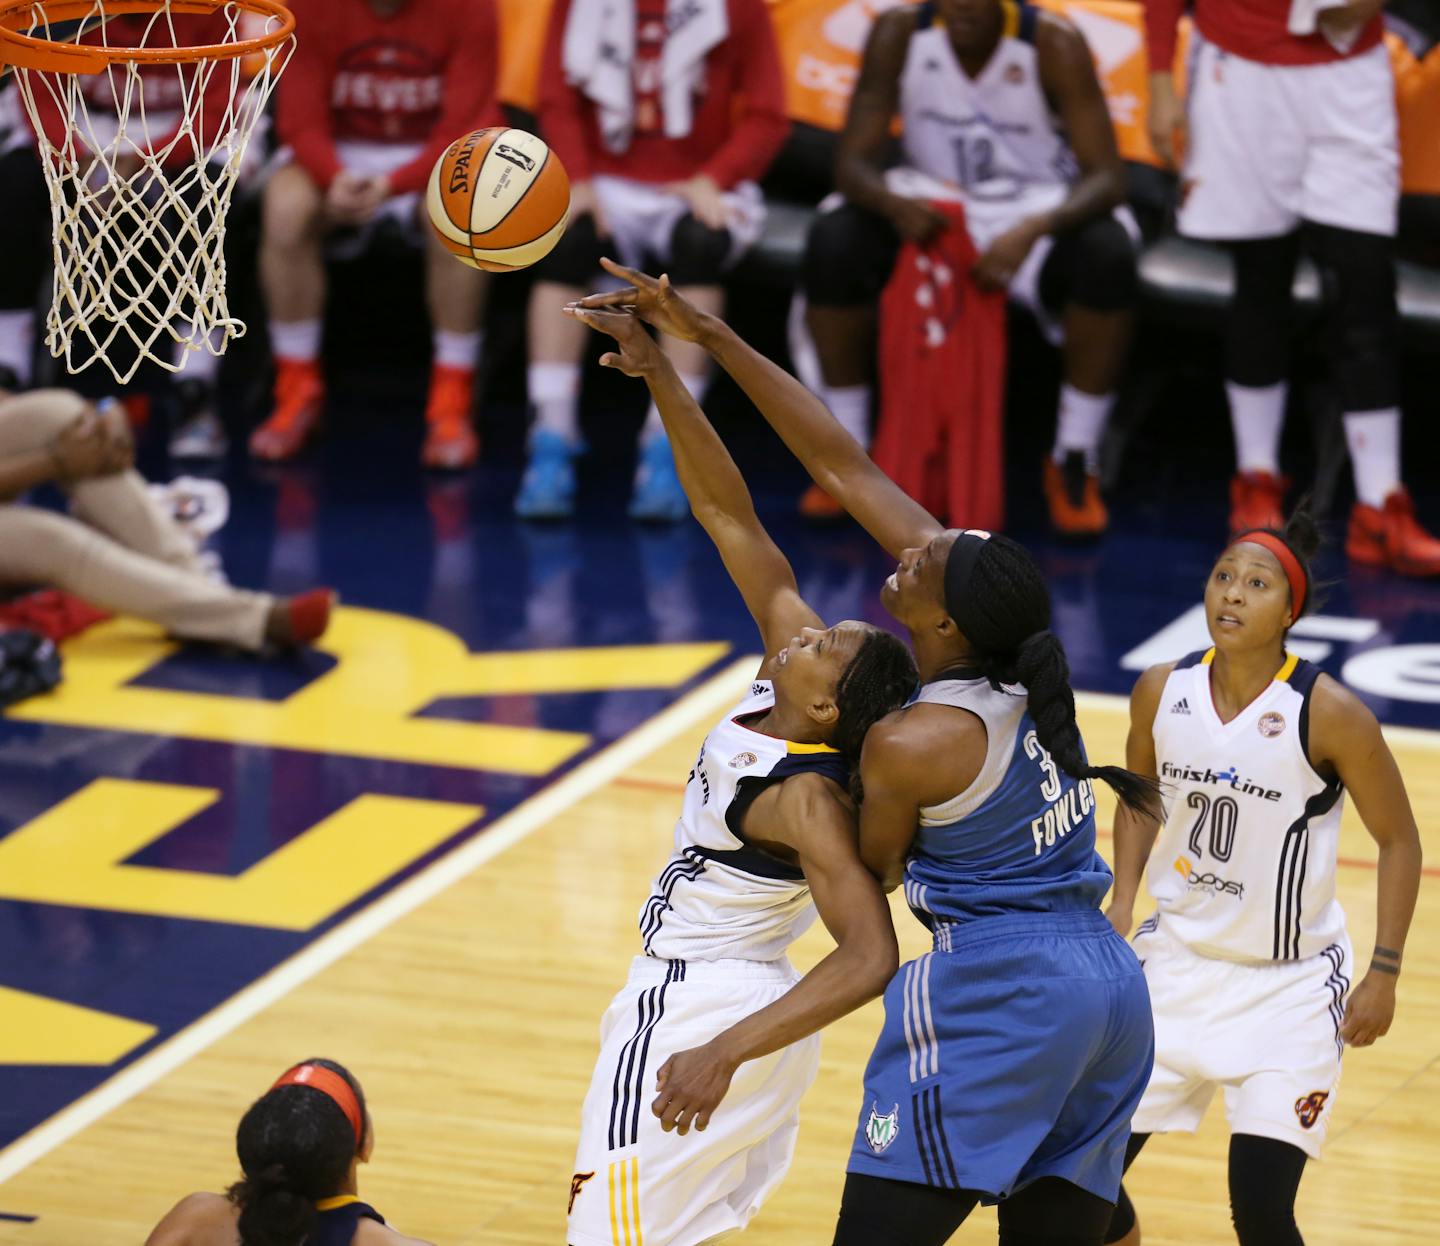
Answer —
1256 417
554 390
850 405
1081 424
654 426
456 350
17 337
1374 441
297 341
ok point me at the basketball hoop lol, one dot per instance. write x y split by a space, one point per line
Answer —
142 130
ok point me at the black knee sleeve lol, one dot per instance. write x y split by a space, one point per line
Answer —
899 1213
697 253
1264 1178
1122 1219
849 255
576 257
1092 266
1053 1212
1258 328
1359 275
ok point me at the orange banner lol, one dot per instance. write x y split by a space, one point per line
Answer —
523 24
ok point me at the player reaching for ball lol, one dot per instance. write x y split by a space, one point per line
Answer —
1247 956
766 836
374 93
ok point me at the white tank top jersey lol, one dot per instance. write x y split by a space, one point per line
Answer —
1244 867
994 135
720 898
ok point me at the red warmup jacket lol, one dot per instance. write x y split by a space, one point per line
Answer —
424 76
942 381
1255 29
739 125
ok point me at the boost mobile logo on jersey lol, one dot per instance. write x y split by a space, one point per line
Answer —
1226 778
881 1131
1210 882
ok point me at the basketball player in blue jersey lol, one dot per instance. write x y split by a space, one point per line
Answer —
300 1145
766 837
1014 1054
1247 955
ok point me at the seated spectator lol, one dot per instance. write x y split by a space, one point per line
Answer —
663 134
300 1147
374 93
1322 172
120 550
1001 109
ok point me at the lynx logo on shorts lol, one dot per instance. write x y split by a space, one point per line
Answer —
1309 1107
881 1131
577 1183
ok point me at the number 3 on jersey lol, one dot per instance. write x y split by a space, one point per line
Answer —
1050 788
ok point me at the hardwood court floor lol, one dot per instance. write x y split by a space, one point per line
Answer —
472 1022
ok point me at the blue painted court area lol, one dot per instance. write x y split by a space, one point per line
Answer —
149 802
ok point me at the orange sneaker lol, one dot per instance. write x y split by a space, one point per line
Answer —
815 503
300 620
1073 494
1257 500
299 402
450 441
1391 536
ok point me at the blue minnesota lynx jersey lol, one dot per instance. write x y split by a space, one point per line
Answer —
1020 838
718 897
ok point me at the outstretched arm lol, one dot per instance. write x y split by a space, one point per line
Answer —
717 492
833 458
1345 736
810 817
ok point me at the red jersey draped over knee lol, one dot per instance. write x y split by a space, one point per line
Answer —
739 122
1258 30
426 76
942 381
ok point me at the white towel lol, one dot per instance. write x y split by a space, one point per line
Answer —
1305 20
598 56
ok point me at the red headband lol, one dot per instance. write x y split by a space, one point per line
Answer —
1289 564
333 1086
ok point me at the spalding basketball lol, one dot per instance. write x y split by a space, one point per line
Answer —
499 199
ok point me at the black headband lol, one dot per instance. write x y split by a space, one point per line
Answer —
959 567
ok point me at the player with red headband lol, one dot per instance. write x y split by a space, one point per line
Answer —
299 1146
1246 956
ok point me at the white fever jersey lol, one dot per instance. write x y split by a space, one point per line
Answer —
720 898
1244 867
994 135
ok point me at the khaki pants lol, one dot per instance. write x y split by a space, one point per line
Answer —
120 552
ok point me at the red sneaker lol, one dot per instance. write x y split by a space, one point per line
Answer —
1257 500
815 503
1073 495
1391 536
450 441
299 401
302 619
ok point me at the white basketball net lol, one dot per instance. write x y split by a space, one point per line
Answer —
141 163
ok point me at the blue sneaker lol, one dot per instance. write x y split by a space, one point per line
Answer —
658 495
547 490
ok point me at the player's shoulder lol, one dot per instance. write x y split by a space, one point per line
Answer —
906 740
1338 718
1145 696
372 1233
1059 43
196 1217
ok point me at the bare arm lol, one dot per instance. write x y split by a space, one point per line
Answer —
860 158
809 816
1134 833
1345 736
717 492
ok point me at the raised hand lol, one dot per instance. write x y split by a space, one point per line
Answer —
655 301
639 353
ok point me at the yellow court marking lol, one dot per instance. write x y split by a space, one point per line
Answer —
47 1031
389 668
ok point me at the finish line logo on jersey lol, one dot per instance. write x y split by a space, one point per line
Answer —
1230 778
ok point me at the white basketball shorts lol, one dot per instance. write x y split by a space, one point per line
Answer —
1268 1035
1273 145
634 1183
642 216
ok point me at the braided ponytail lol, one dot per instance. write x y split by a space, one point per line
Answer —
879 678
273 1212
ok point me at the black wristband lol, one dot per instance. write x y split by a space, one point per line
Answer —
1380 967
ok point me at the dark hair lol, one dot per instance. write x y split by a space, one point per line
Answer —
1302 535
1003 609
878 679
295 1147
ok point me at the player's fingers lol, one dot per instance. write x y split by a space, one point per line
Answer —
632 275
702 1119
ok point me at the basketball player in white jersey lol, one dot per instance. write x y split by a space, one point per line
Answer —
1001 108
766 836
1247 956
